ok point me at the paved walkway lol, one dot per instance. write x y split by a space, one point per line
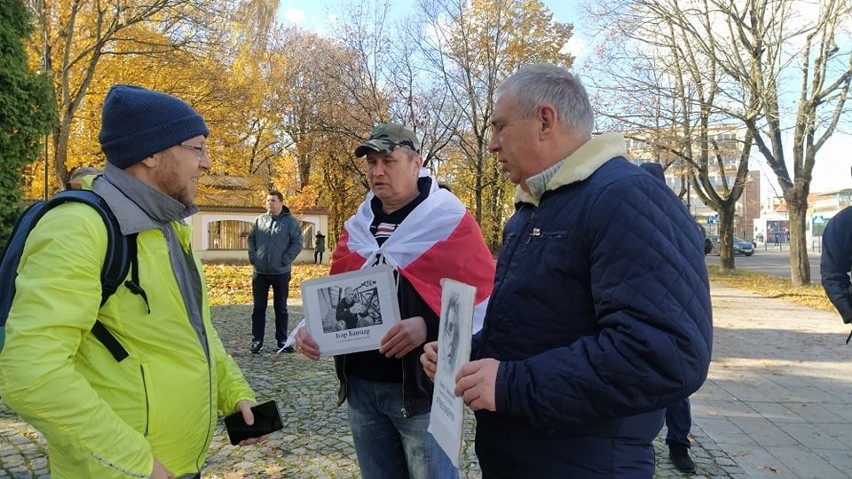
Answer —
778 399
776 404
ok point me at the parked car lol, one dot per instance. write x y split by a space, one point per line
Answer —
741 246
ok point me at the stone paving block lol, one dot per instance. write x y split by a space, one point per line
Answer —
734 408
775 412
710 391
757 460
822 436
842 410
805 463
722 430
840 458
746 390
816 413
764 432
811 393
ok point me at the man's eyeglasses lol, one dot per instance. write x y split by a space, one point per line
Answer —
200 151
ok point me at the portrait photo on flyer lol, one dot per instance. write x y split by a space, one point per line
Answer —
350 312
446 420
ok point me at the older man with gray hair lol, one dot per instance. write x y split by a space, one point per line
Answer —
600 316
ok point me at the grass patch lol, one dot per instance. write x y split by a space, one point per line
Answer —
769 286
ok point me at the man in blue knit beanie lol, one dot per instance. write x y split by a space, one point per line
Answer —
152 413
140 126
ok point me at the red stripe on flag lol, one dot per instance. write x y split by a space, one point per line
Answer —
343 260
463 257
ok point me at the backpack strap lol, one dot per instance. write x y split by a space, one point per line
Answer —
133 283
108 340
120 254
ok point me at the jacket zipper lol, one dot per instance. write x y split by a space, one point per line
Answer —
147 401
198 461
404 409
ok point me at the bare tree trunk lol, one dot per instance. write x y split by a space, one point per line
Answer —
800 268
726 237
61 137
477 196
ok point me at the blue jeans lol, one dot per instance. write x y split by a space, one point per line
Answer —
388 445
678 422
260 284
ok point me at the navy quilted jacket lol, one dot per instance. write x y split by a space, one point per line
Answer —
836 262
600 317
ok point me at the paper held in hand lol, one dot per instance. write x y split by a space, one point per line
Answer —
446 419
350 312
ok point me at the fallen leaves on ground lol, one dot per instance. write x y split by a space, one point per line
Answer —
769 286
231 283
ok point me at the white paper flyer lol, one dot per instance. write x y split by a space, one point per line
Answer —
350 312
446 419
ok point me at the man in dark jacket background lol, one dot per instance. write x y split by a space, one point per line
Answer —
836 263
600 316
274 243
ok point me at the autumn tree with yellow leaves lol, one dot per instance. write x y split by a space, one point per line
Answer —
71 41
472 46
286 107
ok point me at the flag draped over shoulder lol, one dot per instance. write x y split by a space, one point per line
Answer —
438 239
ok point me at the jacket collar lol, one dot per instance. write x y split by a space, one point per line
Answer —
581 164
136 205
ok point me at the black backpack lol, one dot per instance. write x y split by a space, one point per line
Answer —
120 258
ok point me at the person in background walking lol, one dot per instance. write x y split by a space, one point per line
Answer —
274 243
319 247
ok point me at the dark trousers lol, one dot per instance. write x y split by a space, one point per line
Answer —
260 284
678 422
318 254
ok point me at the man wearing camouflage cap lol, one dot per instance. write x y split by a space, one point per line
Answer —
425 233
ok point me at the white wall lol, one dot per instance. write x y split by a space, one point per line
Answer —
201 237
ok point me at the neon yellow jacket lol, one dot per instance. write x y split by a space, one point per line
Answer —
103 418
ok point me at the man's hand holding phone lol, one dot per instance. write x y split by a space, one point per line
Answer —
252 424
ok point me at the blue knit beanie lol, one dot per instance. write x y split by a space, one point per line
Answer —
137 122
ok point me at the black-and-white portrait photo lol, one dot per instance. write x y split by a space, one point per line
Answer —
451 319
351 312
350 307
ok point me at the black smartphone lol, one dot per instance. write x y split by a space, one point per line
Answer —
266 420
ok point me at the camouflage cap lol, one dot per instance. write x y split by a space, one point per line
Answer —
386 137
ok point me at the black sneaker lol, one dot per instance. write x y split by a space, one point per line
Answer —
679 454
256 347
289 350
